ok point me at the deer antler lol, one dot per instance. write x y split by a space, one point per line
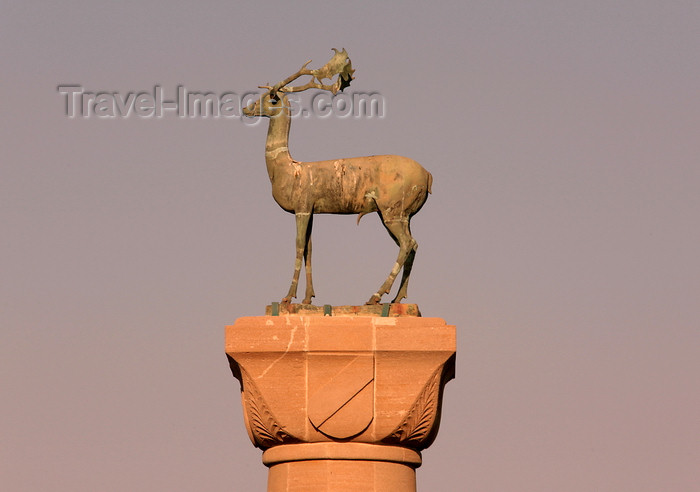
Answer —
339 65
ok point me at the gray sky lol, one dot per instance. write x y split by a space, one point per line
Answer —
561 237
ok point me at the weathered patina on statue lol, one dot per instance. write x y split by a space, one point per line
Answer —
393 186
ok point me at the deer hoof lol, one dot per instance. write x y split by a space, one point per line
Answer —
306 301
286 301
374 300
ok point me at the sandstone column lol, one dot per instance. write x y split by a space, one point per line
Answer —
341 403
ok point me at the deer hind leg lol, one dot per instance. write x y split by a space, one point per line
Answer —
400 231
407 266
303 252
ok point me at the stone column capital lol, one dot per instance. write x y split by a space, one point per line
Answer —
336 388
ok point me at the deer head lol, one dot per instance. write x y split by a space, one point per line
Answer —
273 100
267 105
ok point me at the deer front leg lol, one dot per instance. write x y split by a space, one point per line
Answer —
307 264
302 219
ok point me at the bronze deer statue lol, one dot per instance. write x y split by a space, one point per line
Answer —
393 186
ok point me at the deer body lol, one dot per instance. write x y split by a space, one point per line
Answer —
396 187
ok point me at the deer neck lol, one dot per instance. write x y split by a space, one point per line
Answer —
277 144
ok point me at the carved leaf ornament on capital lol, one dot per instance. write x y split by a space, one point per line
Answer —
419 428
263 427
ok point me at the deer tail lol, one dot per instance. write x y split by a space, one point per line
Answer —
359 216
430 182
369 196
